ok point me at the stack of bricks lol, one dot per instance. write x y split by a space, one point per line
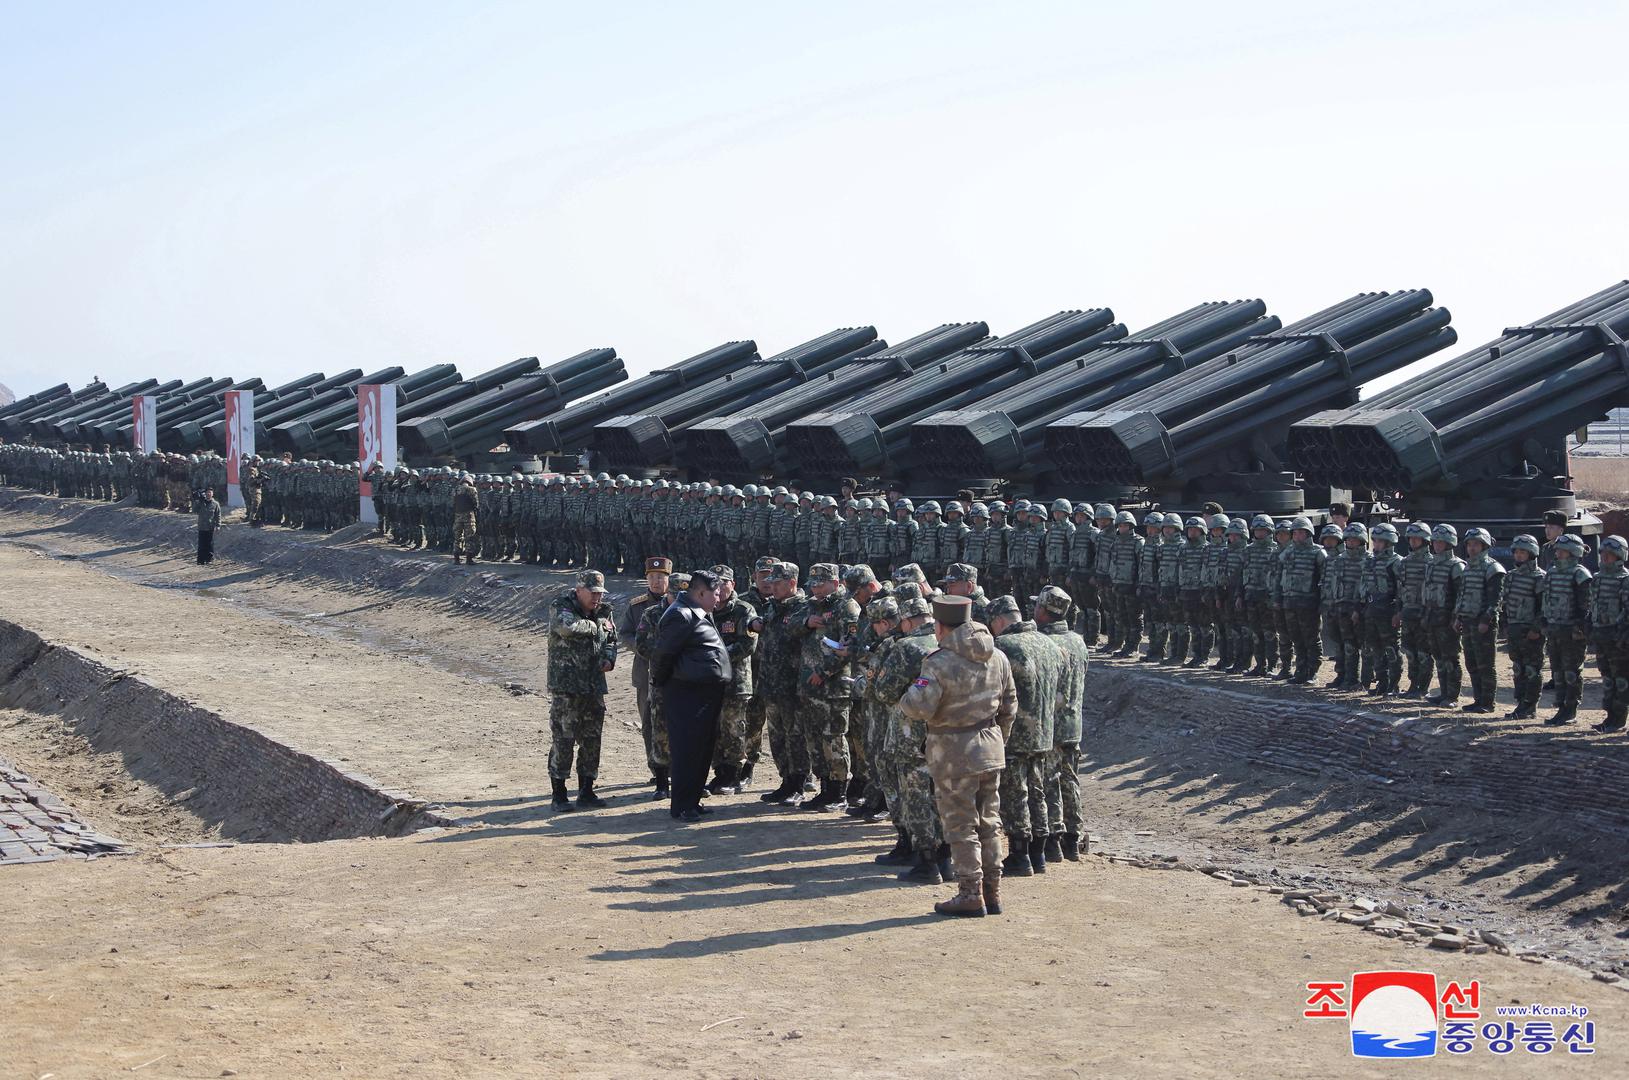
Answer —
36 826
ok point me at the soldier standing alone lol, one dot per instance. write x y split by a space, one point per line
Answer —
582 648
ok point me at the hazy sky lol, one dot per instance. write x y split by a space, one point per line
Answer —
269 189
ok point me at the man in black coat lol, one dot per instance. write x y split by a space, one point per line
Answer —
692 666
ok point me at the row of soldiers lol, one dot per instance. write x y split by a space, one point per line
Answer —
820 672
163 481
1253 594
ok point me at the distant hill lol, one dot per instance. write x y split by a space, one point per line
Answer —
6 396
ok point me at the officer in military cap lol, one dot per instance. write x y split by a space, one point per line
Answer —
658 569
966 699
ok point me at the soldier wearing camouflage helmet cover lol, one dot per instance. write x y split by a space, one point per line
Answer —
778 681
1191 633
1444 575
1148 585
1565 611
1476 618
1057 536
1411 620
1079 581
1301 572
1349 569
1519 611
1382 589
1609 628
465 502
1330 537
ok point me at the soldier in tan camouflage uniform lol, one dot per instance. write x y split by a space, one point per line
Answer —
966 698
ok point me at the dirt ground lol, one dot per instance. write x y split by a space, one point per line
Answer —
605 944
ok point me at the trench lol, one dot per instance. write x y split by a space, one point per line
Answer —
213 778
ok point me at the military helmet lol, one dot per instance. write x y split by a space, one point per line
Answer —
953 507
1153 517
1104 510
1218 521
782 491
1062 505
1082 508
1194 523
903 504
1446 533
1125 517
866 503
1261 521
850 504
929 507
602 478
1356 530
1284 525
467 478
1328 530
1570 542
1526 542
978 510
997 506
1237 527
622 478
1481 536
661 485
1617 545
1384 531
1420 529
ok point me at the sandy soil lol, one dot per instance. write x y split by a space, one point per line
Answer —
529 943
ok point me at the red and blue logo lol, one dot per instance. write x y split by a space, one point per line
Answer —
1394 1014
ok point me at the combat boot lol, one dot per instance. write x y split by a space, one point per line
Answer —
723 782
586 796
1016 864
924 871
992 894
1564 715
967 903
942 856
1071 847
662 790
562 800
789 784
854 793
1037 854
1520 712
744 779
1054 848
1615 721
900 853
830 795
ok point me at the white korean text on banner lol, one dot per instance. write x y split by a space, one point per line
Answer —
240 440
376 438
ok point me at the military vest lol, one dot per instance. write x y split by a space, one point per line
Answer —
1300 570
1059 535
1349 571
1415 565
1382 580
1083 549
1479 588
1191 559
1561 604
975 549
1261 566
1442 575
1522 588
1609 604
1148 562
1125 556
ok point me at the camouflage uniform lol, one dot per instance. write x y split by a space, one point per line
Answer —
734 620
1038 669
824 708
580 644
1065 821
